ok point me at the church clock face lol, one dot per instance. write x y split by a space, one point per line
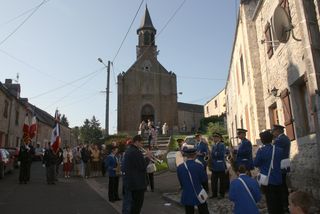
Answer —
146 65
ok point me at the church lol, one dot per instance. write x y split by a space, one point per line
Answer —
147 91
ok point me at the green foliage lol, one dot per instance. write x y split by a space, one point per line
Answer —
162 166
91 131
204 122
64 121
216 127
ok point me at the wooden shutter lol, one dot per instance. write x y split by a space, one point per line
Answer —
288 120
268 40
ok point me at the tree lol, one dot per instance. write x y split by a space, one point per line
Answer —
64 120
91 131
76 133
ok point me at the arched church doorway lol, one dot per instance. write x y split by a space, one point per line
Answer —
147 113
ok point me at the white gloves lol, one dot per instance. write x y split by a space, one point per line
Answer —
19 163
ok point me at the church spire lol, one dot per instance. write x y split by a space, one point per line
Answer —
146 22
146 33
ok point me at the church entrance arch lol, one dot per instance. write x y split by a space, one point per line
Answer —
147 113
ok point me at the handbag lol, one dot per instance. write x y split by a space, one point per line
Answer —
262 178
151 168
203 195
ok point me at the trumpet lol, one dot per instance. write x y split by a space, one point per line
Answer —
152 158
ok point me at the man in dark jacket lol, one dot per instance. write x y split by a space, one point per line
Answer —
49 161
135 173
25 159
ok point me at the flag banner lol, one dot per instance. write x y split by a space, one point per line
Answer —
55 136
26 136
33 127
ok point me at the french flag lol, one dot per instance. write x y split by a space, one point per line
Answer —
26 136
55 136
33 127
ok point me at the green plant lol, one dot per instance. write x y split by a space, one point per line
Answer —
162 166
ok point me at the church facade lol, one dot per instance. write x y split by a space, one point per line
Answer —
146 91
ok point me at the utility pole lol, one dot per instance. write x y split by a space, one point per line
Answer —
107 96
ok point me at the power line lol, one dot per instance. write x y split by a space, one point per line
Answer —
22 14
23 22
67 84
134 18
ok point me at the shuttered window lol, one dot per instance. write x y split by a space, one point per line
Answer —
288 120
268 40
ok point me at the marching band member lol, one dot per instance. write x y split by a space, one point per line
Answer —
218 166
282 141
202 155
244 153
190 188
268 161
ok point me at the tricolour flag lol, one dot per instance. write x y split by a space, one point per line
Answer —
33 127
55 136
26 136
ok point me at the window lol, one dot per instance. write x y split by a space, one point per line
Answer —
288 120
17 118
207 109
268 39
216 103
242 69
146 38
273 114
6 108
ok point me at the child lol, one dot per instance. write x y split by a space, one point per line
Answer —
299 202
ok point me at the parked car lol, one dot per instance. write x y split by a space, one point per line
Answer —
190 140
6 162
14 152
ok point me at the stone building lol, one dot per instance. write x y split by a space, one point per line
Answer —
274 79
147 90
216 106
189 117
13 111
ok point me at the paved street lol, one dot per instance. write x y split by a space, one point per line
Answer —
75 195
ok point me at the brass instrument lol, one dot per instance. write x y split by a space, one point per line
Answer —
153 158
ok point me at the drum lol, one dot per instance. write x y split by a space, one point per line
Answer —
174 159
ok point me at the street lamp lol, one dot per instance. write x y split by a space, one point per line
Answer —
107 95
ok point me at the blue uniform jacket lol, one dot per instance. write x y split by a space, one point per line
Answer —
283 142
111 163
203 149
188 196
263 160
244 154
217 157
243 203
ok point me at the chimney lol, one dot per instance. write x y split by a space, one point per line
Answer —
8 81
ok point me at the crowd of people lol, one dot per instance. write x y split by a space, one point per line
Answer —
136 167
245 191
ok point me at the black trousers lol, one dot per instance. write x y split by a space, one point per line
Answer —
202 208
137 201
150 179
285 192
24 174
113 188
51 173
215 177
273 198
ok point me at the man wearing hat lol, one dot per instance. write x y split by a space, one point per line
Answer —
282 141
218 166
244 153
191 188
202 154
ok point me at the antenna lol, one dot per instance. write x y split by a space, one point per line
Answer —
17 78
281 25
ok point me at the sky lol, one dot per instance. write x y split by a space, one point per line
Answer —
54 47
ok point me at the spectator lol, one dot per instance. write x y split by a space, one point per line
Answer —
113 166
299 202
95 161
67 162
85 156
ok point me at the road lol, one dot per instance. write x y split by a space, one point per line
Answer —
76 195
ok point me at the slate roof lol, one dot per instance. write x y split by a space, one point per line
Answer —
190 107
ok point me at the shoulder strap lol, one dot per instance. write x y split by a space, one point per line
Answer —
190 178
249 192
271 163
